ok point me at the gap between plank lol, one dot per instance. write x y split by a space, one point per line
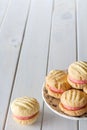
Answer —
48 57
50 37
77 124
76 4
17 65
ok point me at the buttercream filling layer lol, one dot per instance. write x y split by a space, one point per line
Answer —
55 90
73 108
25 118
77 81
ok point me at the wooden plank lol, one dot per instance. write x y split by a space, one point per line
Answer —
82 29
10 41
62 53
63 35
82 44
32 63
4 4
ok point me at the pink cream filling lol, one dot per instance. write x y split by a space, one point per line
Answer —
78 81
55 90
25 118
73 108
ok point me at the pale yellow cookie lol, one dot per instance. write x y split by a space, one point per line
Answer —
73 102
25 110
77 74
56 83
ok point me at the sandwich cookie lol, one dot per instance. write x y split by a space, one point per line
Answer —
77 74
73 102
56 83
25 110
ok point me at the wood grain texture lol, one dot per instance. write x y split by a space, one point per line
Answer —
32 64
11 33
62 53
4 5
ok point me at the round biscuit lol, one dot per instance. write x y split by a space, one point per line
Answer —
57 79
74 98
25 107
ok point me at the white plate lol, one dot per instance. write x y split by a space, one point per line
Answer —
59 112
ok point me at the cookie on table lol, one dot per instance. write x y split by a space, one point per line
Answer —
77 74
25 110
73 102
56 83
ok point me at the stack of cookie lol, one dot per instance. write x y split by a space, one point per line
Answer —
70 88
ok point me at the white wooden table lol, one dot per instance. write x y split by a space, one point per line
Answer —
37 36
